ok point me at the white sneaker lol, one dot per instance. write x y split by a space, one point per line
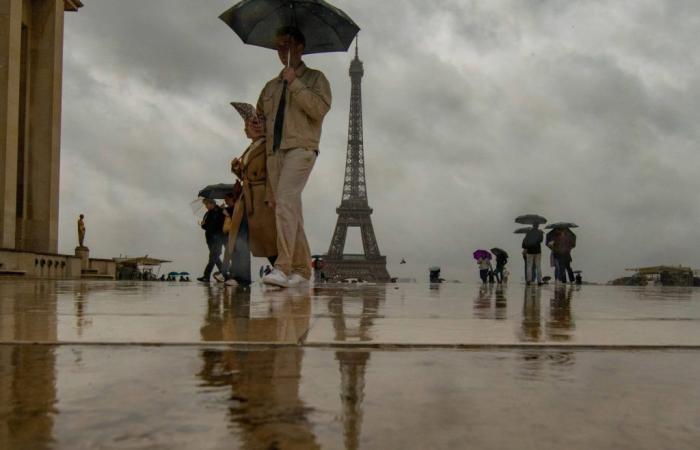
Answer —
231 282
276 278
295 280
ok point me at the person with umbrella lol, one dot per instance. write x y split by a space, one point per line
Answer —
294 105
501 261
532 247
483 260
561 240
212 224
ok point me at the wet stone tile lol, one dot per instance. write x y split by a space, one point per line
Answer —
74 397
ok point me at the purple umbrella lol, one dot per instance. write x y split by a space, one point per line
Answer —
482 254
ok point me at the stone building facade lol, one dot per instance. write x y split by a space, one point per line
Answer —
31 71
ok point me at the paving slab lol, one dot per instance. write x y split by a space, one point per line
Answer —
121 365
86 397
403 314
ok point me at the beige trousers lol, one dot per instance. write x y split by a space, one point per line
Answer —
288 172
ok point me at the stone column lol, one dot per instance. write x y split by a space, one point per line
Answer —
44 137
10 48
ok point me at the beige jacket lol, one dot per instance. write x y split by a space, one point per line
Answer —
308 101
254 200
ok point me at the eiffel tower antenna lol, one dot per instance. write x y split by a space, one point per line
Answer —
354 210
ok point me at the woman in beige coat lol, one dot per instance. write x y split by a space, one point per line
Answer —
251 228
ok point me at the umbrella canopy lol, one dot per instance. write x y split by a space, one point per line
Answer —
216 191
499 251
522 230
561 225
482 254
173 274
185 274
530 219
562 239
325 27
571 236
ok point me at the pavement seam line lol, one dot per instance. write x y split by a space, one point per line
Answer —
358 345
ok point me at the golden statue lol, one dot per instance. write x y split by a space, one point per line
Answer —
81 231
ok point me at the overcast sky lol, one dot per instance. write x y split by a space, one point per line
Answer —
474 112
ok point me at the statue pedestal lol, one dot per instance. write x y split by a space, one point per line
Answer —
84 254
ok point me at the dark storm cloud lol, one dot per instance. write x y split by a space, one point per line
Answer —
475 112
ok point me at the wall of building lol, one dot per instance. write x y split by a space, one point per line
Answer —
104 267
31 66
40 265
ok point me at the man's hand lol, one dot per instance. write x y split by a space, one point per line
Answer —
289 74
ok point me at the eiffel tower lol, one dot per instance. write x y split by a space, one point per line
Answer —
354 210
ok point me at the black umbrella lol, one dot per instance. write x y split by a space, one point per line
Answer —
571 236
499 251
556 225
325 27
216 191
522 230
530 219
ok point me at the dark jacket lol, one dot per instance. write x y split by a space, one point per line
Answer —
532 242
213 224
501 260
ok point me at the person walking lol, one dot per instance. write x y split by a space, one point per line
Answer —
212 224
532 246
501 261
485 267
253 228
294 105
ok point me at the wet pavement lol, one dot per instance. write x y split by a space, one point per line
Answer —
174 365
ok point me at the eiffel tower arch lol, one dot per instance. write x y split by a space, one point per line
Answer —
354 210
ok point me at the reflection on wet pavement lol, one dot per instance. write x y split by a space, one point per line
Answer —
404 314
73 397
347 366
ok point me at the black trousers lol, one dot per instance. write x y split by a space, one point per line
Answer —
499 273
214 257
484 274
564 265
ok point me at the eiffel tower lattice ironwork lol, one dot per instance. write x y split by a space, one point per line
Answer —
354 210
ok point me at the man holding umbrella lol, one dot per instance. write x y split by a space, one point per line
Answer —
532 246
294 105
561 240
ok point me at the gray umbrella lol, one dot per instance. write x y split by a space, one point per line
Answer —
522 230
325 27
530 219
